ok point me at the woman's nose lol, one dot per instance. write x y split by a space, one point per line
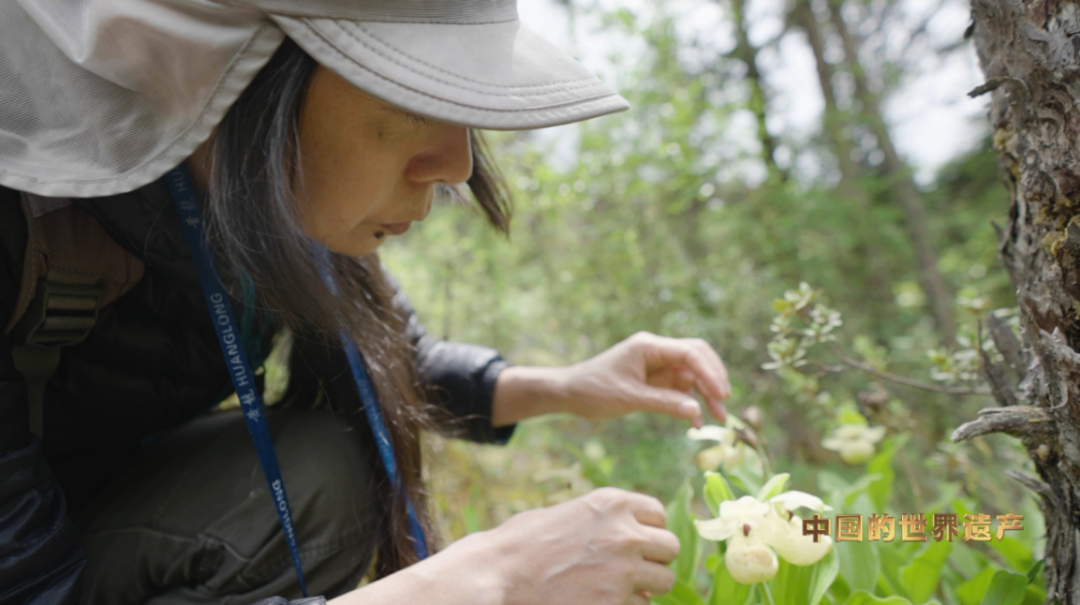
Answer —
445 158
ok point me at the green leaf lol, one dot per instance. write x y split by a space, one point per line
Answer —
859 565
881 490
968 561
681 594
848 415
920 577
859 488
1015 553
773 487
973 591
716 491
681 523
749 482
589 467
1035 569
1006 588
1035 595
725 590
863 597
804 584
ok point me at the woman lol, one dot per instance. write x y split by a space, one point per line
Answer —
329 140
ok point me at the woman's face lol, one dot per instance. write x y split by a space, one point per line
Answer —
368 169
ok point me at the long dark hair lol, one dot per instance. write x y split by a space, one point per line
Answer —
252 219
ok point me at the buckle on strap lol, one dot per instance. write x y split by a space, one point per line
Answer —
58 316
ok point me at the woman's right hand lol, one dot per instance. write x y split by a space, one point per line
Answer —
608 547
605 548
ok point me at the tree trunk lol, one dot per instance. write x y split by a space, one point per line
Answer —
870 266
833 121
1029 54
748 53
904 187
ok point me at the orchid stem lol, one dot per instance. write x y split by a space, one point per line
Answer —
768 595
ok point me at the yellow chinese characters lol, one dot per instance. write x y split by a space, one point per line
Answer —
913 527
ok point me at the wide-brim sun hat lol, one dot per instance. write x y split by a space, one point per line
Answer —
99 97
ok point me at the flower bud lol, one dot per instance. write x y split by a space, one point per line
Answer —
752 416
748 437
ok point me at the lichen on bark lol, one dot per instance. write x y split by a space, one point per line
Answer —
1030 54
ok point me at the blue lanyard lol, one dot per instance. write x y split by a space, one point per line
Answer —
371 406
228 334
243 379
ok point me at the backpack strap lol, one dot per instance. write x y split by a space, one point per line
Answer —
71 269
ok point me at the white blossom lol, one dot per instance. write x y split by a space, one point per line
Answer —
729 451
855 442
758 531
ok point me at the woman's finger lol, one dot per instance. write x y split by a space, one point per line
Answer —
654 578
718 365
661 545
691 353
647 510
715 405
637 599
667 401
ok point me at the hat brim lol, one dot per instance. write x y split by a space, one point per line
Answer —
497 76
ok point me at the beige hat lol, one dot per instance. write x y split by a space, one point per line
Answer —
98 97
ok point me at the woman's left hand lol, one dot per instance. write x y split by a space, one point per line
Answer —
645 372
650 373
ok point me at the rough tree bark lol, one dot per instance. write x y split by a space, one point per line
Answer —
1029 53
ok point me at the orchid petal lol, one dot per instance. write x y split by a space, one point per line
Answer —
794 547
857 452
794 499
717 530
750 561
745 507
711 432
833 443
875 434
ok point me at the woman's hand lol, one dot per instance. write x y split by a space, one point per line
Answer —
608 547
645 372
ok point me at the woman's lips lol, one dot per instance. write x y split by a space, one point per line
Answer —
396 228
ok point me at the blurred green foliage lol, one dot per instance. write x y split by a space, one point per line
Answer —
656 219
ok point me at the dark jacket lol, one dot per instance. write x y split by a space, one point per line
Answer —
151 363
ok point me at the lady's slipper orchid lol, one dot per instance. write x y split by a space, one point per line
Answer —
729 453
758 531
797 549
855 442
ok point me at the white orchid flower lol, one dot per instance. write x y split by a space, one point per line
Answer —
788 538
855 442
736 516
797 549
729 451
758 531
